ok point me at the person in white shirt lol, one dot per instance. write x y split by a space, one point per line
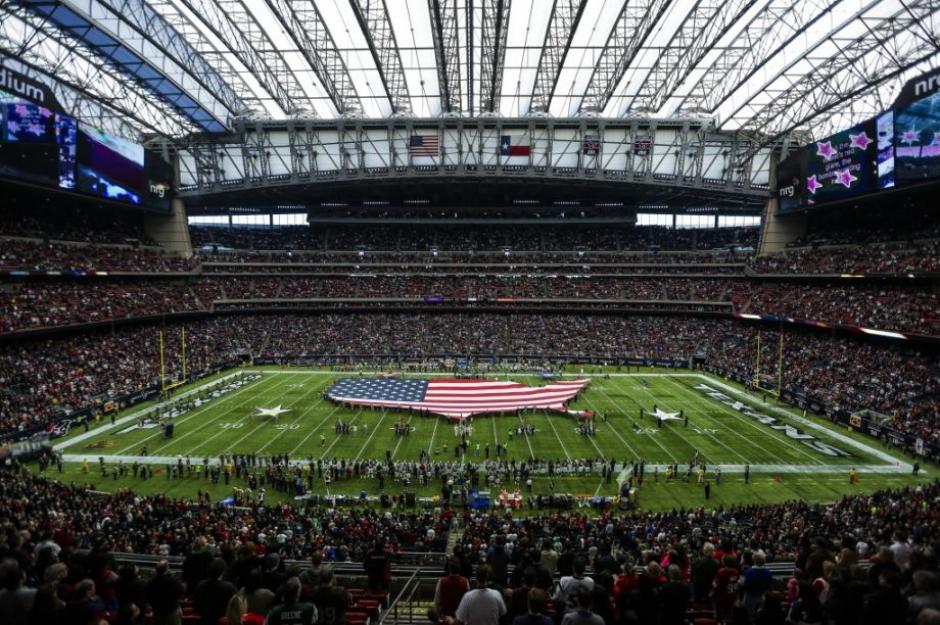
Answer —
569 585
482 605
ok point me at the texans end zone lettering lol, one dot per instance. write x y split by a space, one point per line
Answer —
774 423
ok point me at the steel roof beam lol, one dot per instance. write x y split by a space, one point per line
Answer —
858 66
53 53
771 32
634 24
495 30
306 28
125 33
445 34
698 33
374 21
237 27
566 16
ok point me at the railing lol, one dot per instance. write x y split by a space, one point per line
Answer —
402 608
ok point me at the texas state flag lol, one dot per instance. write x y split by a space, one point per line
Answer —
513 146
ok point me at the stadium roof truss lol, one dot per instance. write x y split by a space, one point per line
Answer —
185 68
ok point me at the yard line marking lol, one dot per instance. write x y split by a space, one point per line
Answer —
206 424
186 418
739 417
206 382
526 434
203 426
376 429
263 423
315 404
400 438
339 436
652 437
675 431
688 392
716 439
313 431
563 448
433 433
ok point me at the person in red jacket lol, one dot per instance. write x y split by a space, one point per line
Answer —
450 590
725 588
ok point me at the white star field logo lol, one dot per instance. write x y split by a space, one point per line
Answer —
272 412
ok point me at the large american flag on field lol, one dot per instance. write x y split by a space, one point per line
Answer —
454 398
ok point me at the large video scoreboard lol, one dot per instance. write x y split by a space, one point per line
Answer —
41 145
900 147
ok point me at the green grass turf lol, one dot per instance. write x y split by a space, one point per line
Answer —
721 434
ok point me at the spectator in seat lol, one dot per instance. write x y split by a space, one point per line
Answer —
482 605
163 594
16 599
674 598
196 565
292 611
704 570
498 561
378 567
450 590
212 595
641 606
725 587
537 601
582 613
569 585
757 581
926 593
331 601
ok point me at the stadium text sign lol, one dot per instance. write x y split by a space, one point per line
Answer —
21 85
774 423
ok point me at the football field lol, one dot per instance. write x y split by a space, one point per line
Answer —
720 426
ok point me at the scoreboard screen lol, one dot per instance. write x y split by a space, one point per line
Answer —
898 148
917 139
841 166
44 147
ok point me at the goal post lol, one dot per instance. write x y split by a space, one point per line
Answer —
164 386
768 382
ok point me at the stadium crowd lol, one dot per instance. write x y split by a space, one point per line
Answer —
41 380
863 560
919 257
57 302
907 308
36 255
451 235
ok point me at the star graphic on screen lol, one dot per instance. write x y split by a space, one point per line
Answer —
845 178
910 136
825 150
272 412
812 184
860 141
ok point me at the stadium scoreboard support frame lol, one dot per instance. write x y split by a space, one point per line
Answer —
759 378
